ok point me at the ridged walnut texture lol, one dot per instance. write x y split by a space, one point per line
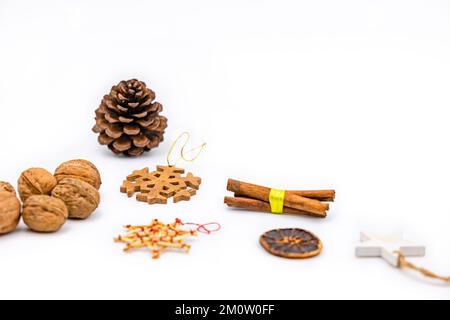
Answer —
128 119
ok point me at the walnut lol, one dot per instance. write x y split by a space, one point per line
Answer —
35 181
43 213
5 186
79 169
80 197
9 211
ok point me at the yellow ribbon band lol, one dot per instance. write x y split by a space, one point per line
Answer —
276 199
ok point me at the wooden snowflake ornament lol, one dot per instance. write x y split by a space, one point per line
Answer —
158 186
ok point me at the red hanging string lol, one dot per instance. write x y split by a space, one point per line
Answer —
203 227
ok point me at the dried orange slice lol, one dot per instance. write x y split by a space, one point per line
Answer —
292 243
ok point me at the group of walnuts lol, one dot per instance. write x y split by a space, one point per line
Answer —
49 200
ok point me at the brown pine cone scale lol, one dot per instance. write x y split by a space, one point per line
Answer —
128 119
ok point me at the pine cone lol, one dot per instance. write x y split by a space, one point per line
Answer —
128 119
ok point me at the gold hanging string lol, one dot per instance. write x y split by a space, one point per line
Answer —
403 263
183 152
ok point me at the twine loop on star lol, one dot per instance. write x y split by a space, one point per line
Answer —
403 263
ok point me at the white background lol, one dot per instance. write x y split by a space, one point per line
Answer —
351 95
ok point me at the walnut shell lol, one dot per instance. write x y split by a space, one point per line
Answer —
9 212
43 213
5 186
35 181
79 169
80 197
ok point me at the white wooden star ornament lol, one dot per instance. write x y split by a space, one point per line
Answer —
387 246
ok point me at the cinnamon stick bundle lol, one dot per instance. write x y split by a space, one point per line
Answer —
303 202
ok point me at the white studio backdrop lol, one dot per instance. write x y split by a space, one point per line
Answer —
351 95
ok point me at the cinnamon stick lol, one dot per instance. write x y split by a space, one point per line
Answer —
291 200
259 205
321 195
